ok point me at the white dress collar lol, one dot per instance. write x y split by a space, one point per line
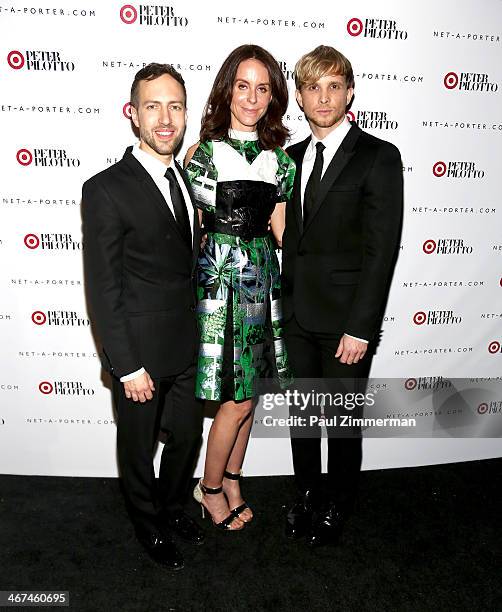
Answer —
241 135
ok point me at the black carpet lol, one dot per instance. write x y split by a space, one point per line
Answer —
422 539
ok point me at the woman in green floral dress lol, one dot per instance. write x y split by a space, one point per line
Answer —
241 178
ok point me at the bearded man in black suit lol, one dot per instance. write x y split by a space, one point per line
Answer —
339 250
141 240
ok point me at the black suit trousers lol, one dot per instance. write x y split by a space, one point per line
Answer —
175 410
312 356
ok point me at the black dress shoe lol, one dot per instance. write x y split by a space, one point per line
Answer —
327 527
162 550
185 527
299 517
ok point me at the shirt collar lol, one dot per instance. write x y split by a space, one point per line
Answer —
154 167
334 139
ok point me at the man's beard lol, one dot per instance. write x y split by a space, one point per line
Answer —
161 148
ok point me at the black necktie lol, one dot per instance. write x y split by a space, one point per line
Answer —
179 206
313 183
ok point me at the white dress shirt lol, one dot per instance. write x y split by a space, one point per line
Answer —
332 141
157 169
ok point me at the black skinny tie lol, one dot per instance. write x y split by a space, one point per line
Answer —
179 206
313 183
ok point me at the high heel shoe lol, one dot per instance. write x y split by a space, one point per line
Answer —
239 509
200 492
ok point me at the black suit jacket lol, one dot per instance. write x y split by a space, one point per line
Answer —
336 270
139 272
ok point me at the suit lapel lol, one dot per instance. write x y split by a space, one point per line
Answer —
196 224
297 185
152 192
341 158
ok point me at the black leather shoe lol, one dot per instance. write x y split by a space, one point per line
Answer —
162 550
185 527
299 517
326 527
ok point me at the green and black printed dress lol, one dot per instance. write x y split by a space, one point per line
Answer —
237 185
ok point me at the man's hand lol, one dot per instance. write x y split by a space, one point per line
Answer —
350 350
139 389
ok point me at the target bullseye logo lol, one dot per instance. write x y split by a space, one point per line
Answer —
483 408
429 246
128 13
494 347
126 110
419 318
15 59
439 169
45 387
24 157
350 116
450 80
354 26
410 384
38 317
32 241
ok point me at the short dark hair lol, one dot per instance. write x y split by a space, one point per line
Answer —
151 72
216 117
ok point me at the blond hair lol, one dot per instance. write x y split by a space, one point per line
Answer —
322 61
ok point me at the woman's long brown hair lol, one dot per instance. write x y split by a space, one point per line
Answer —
216 118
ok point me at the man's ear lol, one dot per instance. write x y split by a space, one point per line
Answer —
134 116
298 96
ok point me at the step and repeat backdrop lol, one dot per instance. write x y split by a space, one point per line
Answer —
428 78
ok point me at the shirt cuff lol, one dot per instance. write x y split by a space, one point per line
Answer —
132 375
355 338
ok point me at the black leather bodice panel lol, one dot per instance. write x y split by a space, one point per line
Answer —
243 209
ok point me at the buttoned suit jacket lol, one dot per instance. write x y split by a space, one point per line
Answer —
337 269
139 272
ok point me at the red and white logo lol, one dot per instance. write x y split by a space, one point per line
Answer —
24 157
483 408
128 13
451 80
494 347
350 116
439 169
126 110
45 387
15 59
38 317
410 384
32 241
429 246
419 318
354 26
